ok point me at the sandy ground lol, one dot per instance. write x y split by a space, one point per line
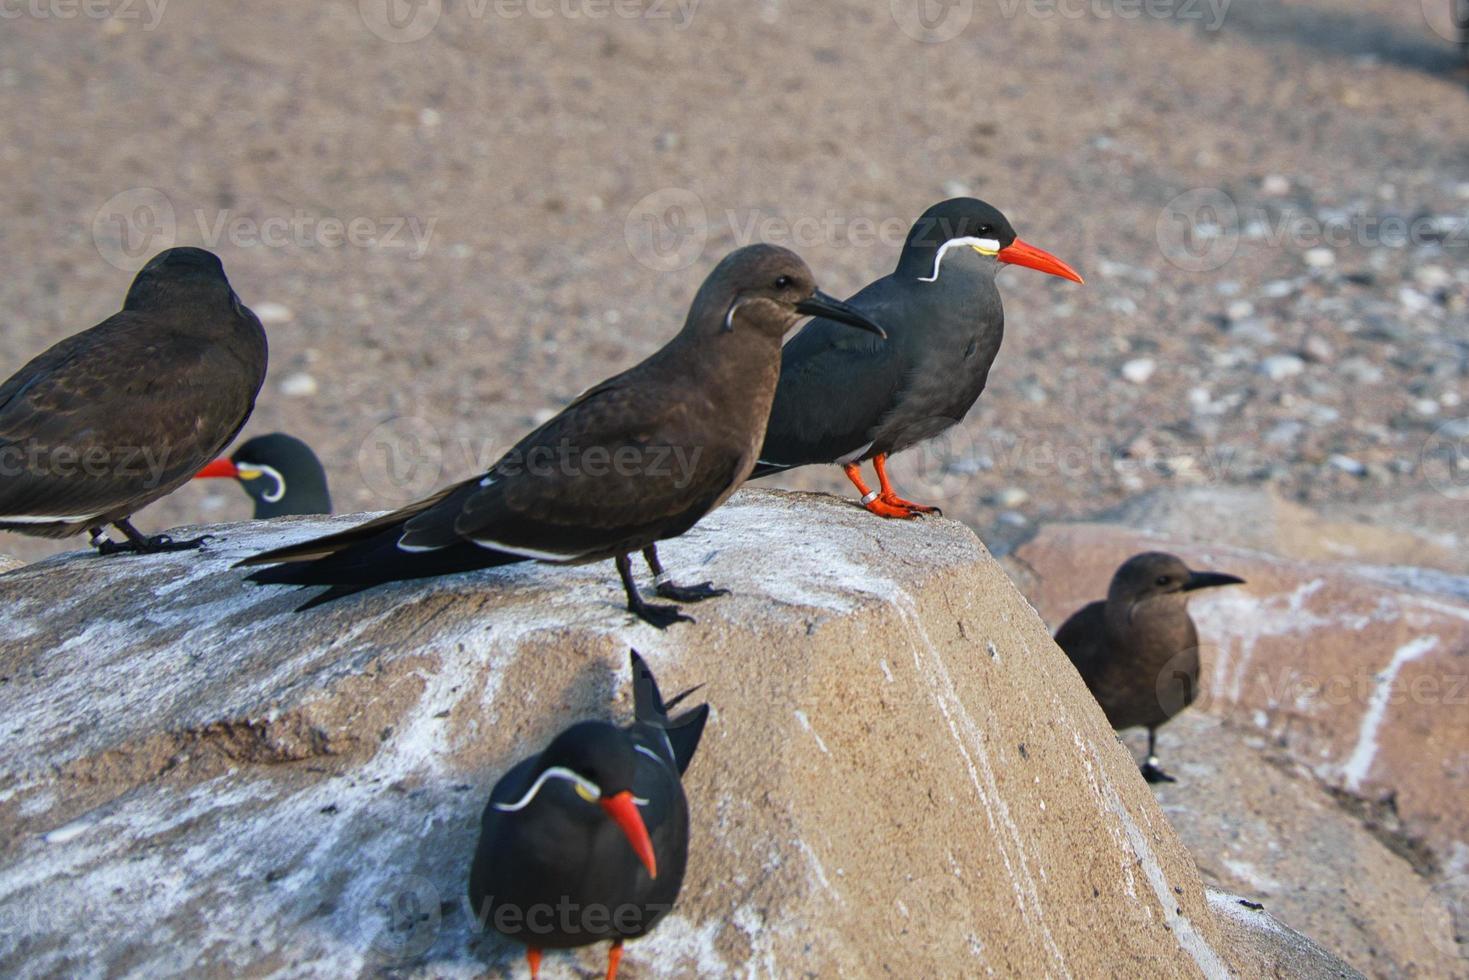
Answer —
533 191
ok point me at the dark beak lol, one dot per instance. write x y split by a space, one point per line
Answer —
820 304
1208 580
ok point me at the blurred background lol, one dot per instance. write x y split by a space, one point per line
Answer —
453 215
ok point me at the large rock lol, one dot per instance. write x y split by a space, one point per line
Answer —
902 775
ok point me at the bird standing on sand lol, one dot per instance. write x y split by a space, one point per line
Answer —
113 418
844 399
280 474
638 459
1138 651
588 840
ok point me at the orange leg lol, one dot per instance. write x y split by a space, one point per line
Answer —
614 957
888 496
533 957
883 503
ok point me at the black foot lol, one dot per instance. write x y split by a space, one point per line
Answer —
157 544
1154 774
658 616
689 593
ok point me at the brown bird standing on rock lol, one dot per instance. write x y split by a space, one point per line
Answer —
1138 651
638 459
115 417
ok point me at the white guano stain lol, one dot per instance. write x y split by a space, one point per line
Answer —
1359 763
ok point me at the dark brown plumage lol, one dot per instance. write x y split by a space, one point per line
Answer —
113 418
1138 650
635 460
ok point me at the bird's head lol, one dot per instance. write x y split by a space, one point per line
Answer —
967 233
279 472
1156 573
767 288
178 273
597 761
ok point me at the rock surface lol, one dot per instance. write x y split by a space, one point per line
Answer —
901 776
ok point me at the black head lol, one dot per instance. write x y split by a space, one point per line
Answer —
767 289
977 235
282 475
178 271
1157 573
596 751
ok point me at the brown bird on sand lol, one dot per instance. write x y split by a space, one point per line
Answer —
113 418
1138 651
638 459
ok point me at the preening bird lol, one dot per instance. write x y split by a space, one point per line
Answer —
846 399
1138 650
635 460
588 841
115 417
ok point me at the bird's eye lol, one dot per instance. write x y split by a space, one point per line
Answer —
784 282
986 231
1163 580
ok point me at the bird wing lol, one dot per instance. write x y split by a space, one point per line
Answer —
836 385
114 413
623 461
1081 637
680 736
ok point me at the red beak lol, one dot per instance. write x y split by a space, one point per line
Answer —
624 812
219 468
1019 253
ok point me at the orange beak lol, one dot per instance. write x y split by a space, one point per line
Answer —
222 467
624 812
1019 253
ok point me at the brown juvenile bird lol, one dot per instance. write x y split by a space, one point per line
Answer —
1138 651
635 460
113 418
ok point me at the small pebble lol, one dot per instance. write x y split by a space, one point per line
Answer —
1012 497
1278 367
428 118
1278 289
1319 349
299 385
1348 465
1275 185
1240 309
1139 370
957 188
1320 258
1426 407
273 313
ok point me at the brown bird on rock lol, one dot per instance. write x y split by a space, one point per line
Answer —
1138 651
638 459
113 418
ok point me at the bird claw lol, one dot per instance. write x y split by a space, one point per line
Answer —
157 544
1153 773
659 617
897 507
689 593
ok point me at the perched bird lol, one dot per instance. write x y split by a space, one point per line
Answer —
1138 651
113 418
844 399
588 840
279 472
633 461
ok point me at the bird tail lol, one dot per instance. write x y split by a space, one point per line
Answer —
764 468
685 731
